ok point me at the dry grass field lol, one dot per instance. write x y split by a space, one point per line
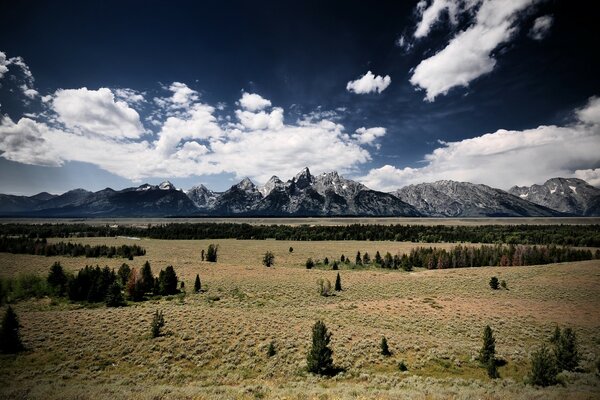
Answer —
215 342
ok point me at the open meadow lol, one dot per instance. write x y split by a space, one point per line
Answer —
215 343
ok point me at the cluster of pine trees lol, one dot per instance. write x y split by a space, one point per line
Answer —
95 284
563 235
498 255
40 247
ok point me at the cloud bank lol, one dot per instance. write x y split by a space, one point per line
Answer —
505 158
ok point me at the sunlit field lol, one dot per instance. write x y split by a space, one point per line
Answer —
215 343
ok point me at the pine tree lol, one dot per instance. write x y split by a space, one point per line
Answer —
310 263
565 350
271 349
494 284
319 359
268 259
358 260
343 258
114 297
384 347
543 368
135 286
147 278
378 259
291 250
338 283
488 350
202 254
366 259
335 266
57 280
197 284
211 253
123 273
10 337
492 369
168 281
158 322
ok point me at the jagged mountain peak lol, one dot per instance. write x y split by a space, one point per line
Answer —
273 183
166 185
246 185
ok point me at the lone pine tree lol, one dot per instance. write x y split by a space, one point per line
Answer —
319 359
543 368
488 350
10 337
197 284
268 259
338 283
385 350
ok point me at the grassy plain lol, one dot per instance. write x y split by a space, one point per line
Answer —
214 349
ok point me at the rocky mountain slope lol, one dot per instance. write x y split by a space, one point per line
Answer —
463 199
568 195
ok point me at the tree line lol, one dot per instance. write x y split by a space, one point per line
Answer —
41 247
562 235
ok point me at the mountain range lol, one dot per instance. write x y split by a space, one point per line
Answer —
327 194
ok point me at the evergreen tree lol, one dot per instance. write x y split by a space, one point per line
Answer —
309 263
291 249
202 254
147 278
211 253
358 260
123 273
324 287
114 296
268 259
319 359
492 369
338 283
156 290
326 261
366 259
271 349
57 280
565 350
10 337
343 258
384 347
197 284
335 266
168 281
135 286
158 322
494 284
488 350
378 259
543 368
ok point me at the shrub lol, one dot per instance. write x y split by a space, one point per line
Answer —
114 297
326 261
338 283
494 283
268 259
10 337
197 284
271 349
310 263
319 359
324 287
335 266
503 284
291 249
543 368
158 322
211 253
402 366
385 350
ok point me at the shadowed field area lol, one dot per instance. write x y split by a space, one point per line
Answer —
215 343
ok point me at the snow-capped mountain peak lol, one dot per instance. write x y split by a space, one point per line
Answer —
166 185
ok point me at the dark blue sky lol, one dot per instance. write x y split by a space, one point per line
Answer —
300 56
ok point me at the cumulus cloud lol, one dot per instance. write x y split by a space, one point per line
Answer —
27 88
591 176
505 158
3 64
541 27
368 136
468 55
95 112
254 102
190 140
130 96
369 83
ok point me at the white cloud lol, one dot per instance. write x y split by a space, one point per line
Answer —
95 112
261 120
182 98
505 158
130 96
591 176
191 141
590 113
3 64
369 83
432 14
368 136
254 102
28 92
468 55
541 27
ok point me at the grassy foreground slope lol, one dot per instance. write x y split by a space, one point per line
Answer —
433 321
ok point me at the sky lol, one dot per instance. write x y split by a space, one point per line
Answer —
388 93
